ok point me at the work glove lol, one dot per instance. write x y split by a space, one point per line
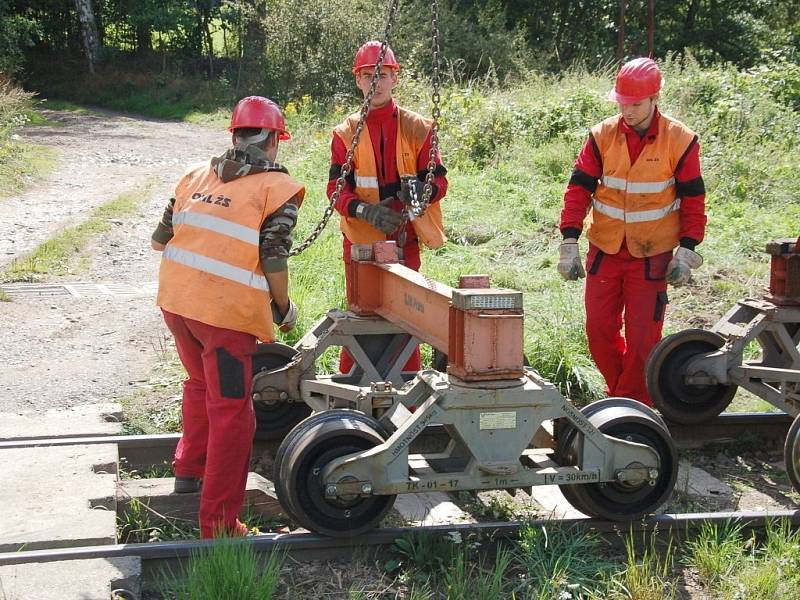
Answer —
380 216
284 322
679 269
411 188
569 261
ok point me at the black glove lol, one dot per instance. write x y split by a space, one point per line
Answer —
380 216
412 188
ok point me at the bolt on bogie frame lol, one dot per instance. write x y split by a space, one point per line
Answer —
338 471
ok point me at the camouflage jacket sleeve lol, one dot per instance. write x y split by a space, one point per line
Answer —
276 237
163 231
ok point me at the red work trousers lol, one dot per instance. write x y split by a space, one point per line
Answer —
218 418
622 288
412 260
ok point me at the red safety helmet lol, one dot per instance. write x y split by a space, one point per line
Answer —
638 79
367 56
257 112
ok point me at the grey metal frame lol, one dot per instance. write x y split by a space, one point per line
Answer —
491 424
775 376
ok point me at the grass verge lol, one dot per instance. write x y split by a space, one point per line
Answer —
21 164
54 256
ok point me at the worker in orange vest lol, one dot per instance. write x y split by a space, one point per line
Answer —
638 176
394 144
223 282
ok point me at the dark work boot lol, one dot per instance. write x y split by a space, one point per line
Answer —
187 485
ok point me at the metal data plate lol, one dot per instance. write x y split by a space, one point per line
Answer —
498 420
487 299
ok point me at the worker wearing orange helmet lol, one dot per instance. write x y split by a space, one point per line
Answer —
223 282
638 177
394 144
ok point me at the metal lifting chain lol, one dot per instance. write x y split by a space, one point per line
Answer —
362 119
427 191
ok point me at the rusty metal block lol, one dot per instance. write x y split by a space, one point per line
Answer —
385 252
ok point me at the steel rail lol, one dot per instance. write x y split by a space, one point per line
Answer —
158 556
136 449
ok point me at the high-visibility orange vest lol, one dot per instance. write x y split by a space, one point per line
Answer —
638 203
412 132
211 268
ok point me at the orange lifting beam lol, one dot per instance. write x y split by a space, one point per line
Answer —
480 328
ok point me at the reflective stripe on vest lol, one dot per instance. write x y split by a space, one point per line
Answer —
637 187
216 267
366 182
635 216
242 233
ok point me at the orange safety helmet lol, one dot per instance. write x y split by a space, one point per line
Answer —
257 112
638 79
367 56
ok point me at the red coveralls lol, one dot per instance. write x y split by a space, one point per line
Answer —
214 421
623 288
382 124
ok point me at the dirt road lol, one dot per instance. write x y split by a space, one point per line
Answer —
61 351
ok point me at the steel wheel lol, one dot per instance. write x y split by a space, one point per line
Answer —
279 468
791 453
628 420
301 460
275 419
278 471
666 378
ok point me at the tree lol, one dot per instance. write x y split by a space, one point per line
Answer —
91 42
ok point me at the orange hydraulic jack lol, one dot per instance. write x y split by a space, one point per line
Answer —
339 471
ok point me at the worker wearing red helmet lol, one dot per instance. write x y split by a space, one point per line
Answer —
395 143
223 282
638 177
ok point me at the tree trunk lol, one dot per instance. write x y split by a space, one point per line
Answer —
691 14
144 39
91 41
651 27
621 37
563 14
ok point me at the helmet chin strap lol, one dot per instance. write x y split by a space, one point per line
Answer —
253 139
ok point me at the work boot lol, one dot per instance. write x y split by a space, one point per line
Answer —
187 485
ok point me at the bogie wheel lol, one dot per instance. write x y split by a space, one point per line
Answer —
791 453
275 420
666 372
616 501
301 461
279 471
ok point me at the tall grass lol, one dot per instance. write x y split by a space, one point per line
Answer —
647 573
558 562
733 567
20 163
227 570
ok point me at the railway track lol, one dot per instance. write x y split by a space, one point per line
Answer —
158 556
139 451
144 451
